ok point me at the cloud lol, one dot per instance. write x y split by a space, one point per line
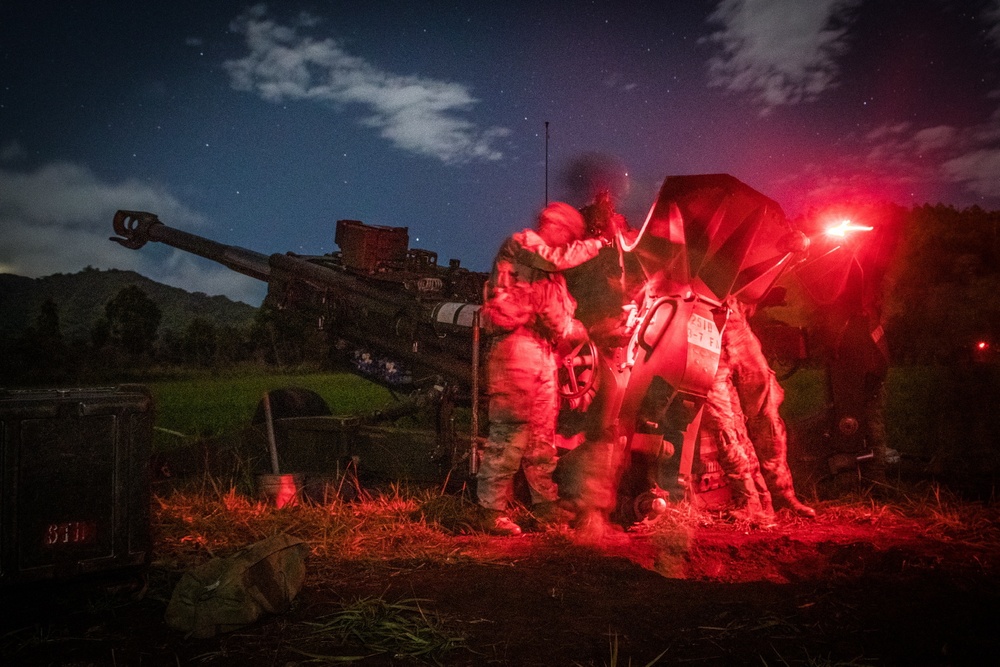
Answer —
977 166
906 164
903 149
978 170
779 51
969 156
616 81
991 16
57 219
416 114
11 152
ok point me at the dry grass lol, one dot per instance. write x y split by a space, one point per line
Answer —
396 531
193 526
404 524
941 513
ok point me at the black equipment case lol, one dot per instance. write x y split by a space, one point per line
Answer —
75 485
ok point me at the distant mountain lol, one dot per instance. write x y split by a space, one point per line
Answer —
81 298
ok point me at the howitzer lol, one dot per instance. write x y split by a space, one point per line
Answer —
401 319
843 280
390 311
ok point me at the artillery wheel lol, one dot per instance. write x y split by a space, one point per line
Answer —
577 370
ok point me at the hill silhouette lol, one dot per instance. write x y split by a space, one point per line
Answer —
81 297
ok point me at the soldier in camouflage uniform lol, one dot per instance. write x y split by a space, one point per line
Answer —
590 474
742 410
528 312
723 419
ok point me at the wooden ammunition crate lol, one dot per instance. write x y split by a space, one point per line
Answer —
75 486
364 246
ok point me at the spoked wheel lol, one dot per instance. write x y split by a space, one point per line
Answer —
578 370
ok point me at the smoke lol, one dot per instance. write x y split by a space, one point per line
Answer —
592 173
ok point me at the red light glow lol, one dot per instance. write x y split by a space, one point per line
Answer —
287 492
845 226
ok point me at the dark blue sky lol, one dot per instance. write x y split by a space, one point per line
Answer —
262 125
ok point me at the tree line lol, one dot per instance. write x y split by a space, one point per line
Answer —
943 291
930 274
127 341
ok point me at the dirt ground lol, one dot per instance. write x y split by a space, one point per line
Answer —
880 590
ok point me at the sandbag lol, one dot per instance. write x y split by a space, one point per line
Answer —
228 593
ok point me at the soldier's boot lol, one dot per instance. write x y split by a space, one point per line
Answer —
498 523
763 494
552 513
591 526
767 507
503 526
788 500
747 504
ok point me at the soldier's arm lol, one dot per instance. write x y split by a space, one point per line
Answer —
536 253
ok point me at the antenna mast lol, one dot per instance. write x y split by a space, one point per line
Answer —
546 163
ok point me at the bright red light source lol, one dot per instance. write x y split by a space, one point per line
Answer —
982 345
841 230
287 492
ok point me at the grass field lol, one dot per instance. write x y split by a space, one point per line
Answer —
207 405
405 575
916 400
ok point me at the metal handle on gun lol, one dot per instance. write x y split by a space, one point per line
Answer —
474 440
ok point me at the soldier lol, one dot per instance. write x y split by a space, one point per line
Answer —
722 418
591 472
528 312
756 450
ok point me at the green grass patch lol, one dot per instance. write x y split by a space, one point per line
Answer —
913 398
200 405
204 405
805 394
398 629
910 408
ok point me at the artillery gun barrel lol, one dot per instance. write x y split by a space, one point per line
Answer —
425 334
322 277
136 228
430 333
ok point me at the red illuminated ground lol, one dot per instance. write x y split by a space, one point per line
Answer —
869 585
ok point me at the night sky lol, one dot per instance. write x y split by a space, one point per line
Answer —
262 125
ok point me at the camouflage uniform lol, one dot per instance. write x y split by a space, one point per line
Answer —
743 410
723 419
529 312
591 472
